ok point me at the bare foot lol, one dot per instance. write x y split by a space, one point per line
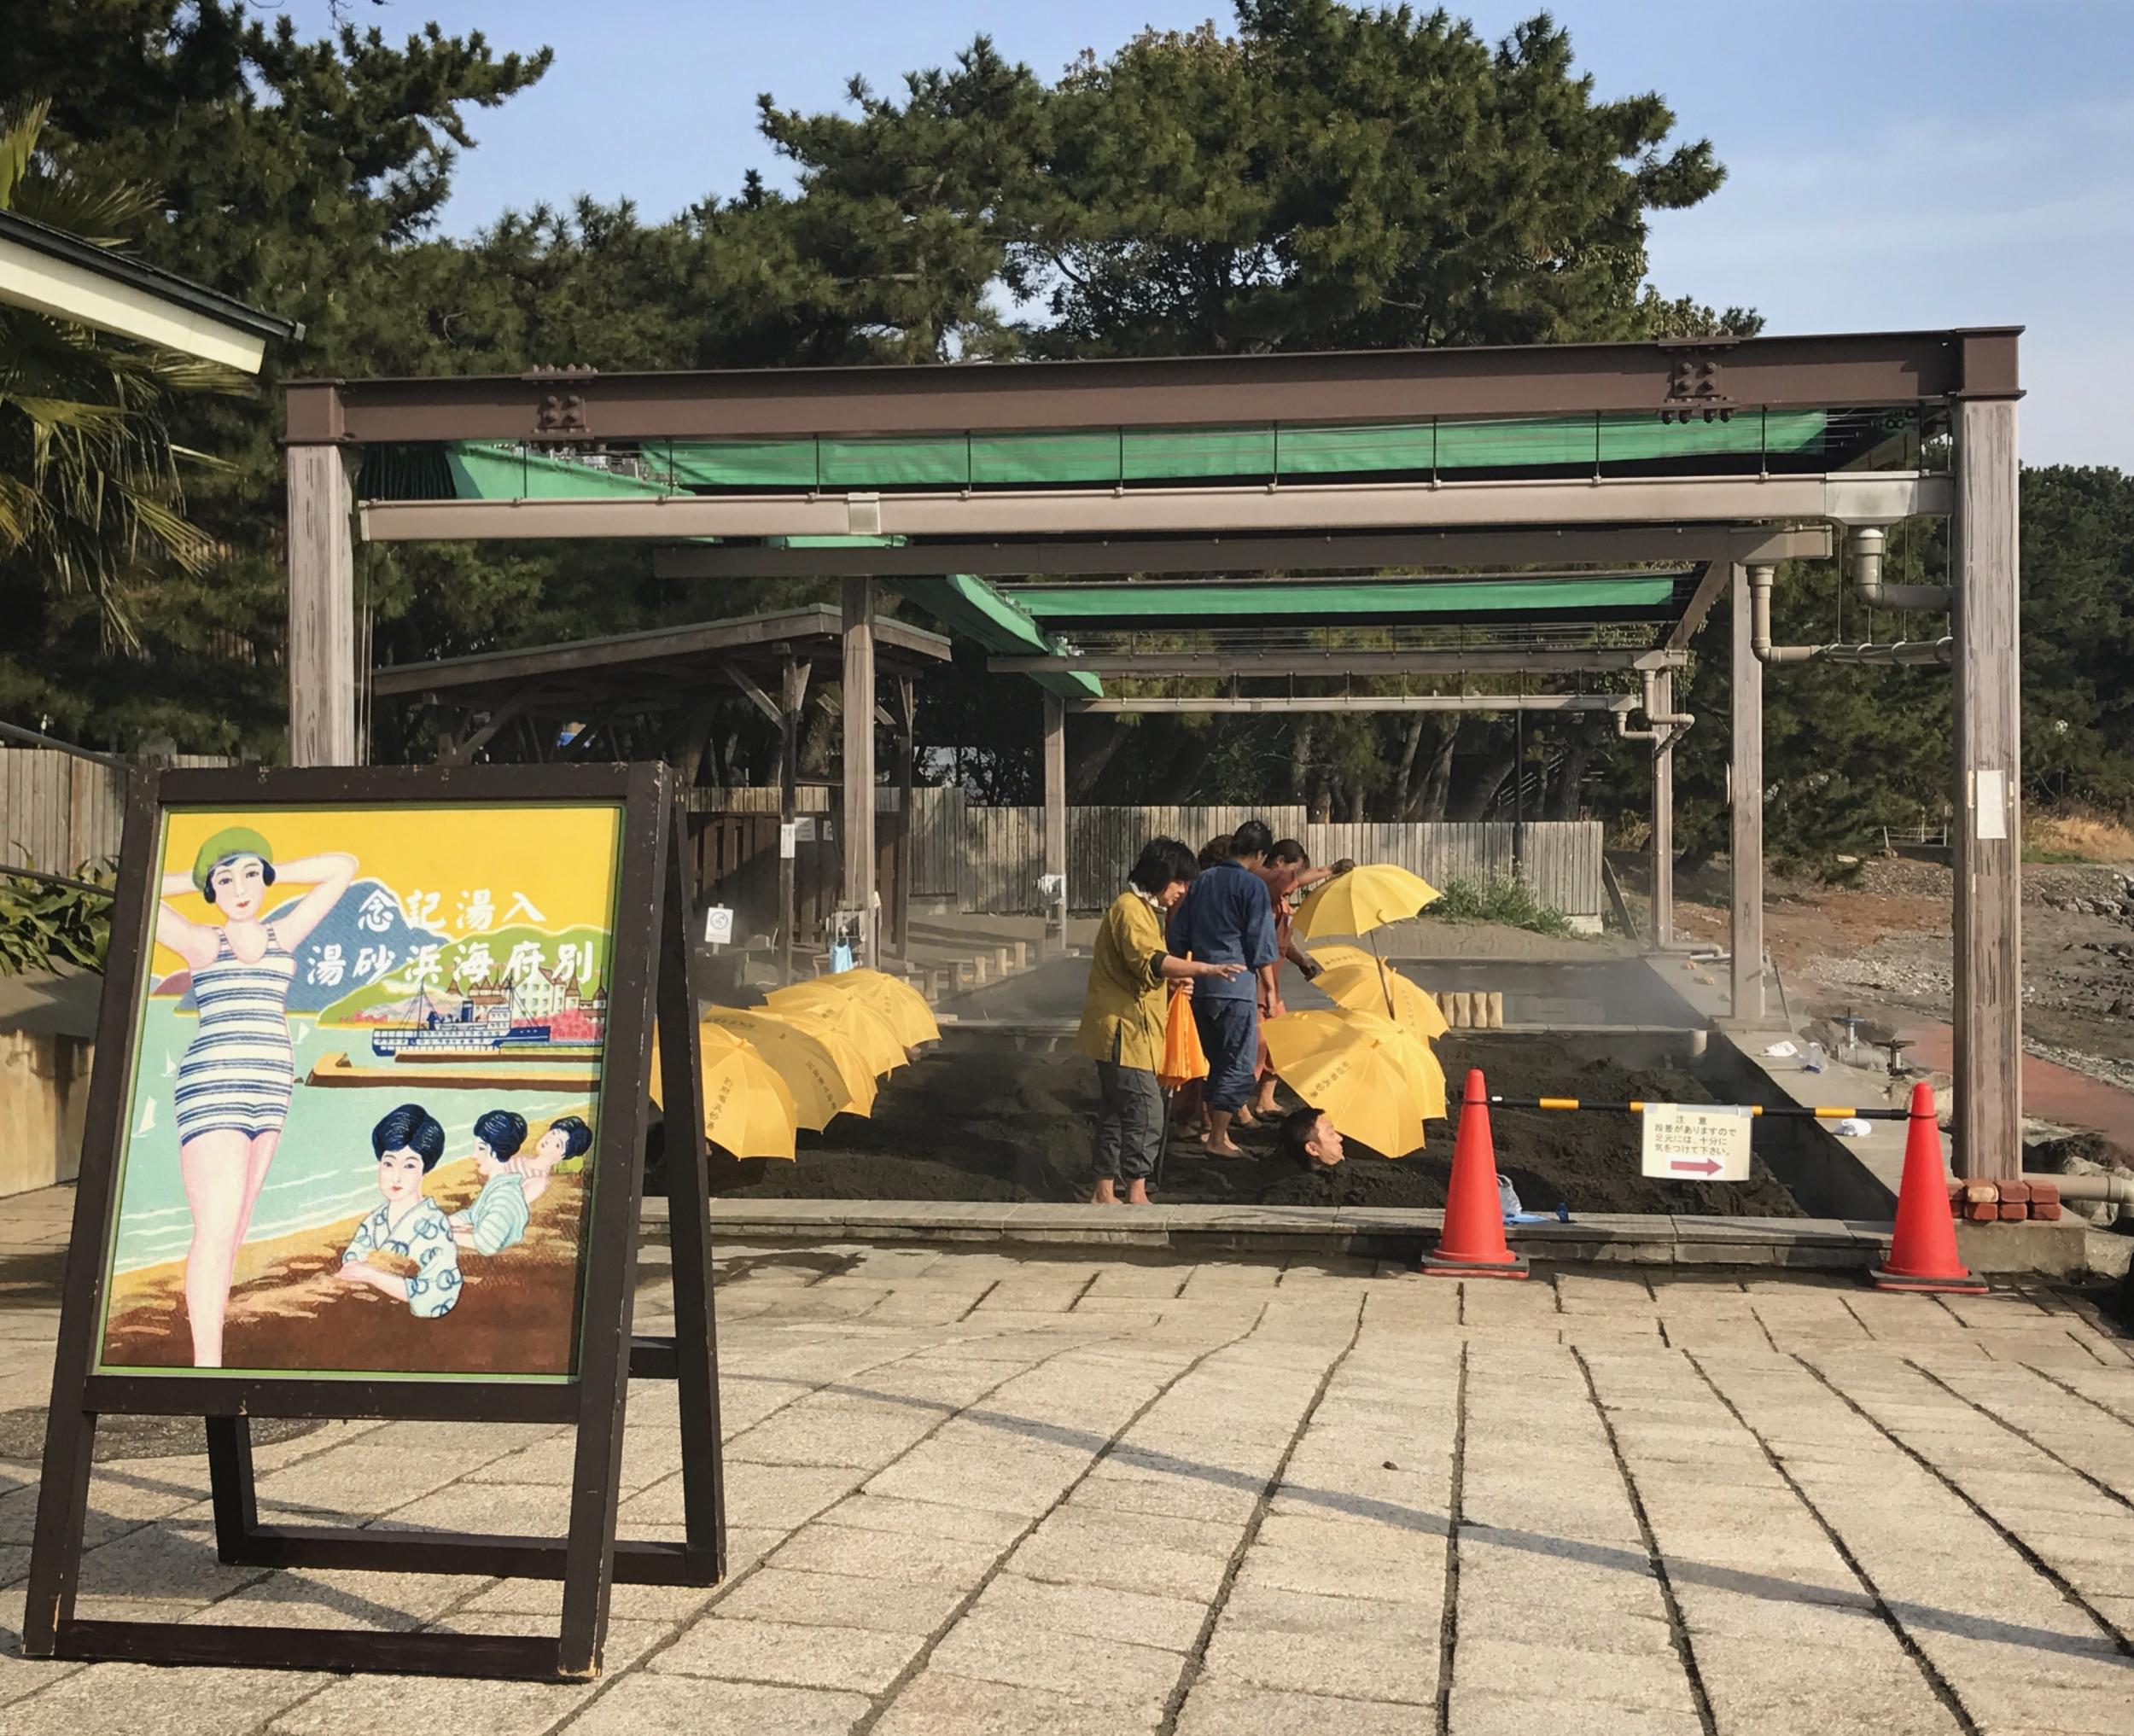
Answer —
1226 1148
1244 1118
1137 1192
1104 1194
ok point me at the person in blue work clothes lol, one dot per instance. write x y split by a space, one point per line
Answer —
1227 918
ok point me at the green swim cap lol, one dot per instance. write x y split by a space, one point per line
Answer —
232 841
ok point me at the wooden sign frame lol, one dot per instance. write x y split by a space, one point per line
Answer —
645 981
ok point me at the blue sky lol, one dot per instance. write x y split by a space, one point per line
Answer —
1892 163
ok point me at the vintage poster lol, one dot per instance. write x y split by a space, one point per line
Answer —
365 1093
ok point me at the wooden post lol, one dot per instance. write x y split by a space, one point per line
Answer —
858 766
906 748
322 637
1989 848
1056 815
1745 846
1664 821
792 696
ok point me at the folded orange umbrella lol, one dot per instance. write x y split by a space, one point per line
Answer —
1184 1060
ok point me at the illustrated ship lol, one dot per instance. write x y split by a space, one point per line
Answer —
554 1019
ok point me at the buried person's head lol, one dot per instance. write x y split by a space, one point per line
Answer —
567 1137
1310 1139
498 1133
408 1141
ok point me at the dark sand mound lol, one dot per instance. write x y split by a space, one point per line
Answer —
965 1124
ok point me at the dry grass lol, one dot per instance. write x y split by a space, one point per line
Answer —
2085 834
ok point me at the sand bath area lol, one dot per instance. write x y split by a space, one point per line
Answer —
973 1493
288 1310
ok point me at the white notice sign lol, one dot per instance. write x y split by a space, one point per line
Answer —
788 837
1701 1142
718 926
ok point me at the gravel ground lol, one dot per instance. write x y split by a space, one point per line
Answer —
1886 937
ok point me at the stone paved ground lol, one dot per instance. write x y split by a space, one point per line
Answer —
975 1492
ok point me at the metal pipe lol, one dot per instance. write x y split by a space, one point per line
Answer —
1902 651
1866 544
1760 578
1661 727
1899 651
2110 1188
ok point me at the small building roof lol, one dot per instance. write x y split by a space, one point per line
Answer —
51 272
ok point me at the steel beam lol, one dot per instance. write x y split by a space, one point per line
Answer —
1331 553
1221 511
1686 378
1224 704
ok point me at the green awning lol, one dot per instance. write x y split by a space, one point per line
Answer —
1656 597
1055 459
974 609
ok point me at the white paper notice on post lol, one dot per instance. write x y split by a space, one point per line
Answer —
1990 802
1696 1142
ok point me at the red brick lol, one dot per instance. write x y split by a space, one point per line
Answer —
2048 1210
2013 1211
2044 1193
2014 1193
1981 1212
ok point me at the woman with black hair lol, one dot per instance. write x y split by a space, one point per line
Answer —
1122 1016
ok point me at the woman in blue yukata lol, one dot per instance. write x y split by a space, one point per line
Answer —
408 1142
233 1086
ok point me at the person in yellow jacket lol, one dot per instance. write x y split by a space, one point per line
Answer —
1122 1016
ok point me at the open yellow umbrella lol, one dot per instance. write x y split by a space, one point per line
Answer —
1426 1075
1355 979
747 1110
1363 899
1363 1079
815 1004
902 1006
826 1075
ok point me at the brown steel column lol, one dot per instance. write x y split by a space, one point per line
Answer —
1664 821
1746 845
793 694
859 764
1056 815
322 636
906 747
1989 957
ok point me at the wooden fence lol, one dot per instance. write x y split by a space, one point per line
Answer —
59 811
1002 851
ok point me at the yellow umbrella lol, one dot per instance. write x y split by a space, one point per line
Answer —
849 1016
747 1110
826 1074
1363 899
1425 1075
1354 978
1360 1078
902 1007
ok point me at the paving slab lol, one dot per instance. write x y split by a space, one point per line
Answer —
1014 1486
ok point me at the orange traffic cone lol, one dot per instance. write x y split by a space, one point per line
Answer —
1471 1244
1923 1250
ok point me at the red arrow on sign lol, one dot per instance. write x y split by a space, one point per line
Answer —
1710 1166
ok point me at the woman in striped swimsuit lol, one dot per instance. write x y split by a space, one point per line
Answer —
234 1085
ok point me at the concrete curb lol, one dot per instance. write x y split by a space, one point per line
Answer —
1632 1239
